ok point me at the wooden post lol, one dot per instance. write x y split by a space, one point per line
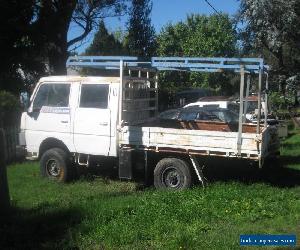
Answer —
4 193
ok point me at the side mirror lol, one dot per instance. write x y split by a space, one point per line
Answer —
33 112
29 110
24 100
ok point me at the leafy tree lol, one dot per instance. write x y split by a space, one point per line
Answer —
120 35
9 109
198 36
104 43
271 30
34 35
141 35
19 60
53 22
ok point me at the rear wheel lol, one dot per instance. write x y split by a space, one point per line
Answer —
55 165
172 173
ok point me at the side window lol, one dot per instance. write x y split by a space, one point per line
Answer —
94 96
188 115
234 107
172 114
41 97
53 95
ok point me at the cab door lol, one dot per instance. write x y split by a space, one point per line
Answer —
49 115
92 120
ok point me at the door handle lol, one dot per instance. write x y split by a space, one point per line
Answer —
64 121
103 123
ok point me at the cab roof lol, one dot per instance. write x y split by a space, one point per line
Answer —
215 98
70 79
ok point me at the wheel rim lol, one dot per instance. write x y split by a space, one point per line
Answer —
171 177
53 168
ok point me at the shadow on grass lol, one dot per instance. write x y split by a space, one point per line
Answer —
289 146
289 160
40 228
108 170
278 175
226 170
291 133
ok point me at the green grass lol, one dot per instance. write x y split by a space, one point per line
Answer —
102 213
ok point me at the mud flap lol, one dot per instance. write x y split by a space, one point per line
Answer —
125 163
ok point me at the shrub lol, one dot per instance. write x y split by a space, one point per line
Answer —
276 100
10 109
8 101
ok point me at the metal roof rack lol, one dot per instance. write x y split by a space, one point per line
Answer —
242 66
105 62
199 64
209 64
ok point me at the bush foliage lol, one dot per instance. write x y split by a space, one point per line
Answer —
10 109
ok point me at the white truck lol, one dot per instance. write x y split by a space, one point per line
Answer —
73 120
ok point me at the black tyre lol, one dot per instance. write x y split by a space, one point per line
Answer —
55 165
172 173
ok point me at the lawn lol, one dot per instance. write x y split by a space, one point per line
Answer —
102 213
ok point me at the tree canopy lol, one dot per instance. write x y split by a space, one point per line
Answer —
19 60
34 35
202 36
34 39
55 17
271 30
140 40
199 35
104 43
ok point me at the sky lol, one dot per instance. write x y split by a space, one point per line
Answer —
164 12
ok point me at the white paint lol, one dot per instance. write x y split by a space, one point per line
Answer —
98 131
82 130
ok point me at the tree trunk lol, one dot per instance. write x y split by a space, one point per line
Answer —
57 60
4 193
58 53
53 23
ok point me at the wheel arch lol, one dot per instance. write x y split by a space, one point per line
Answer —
161 155
51 142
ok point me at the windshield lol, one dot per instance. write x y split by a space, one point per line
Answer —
198 115
226 115
252 106
234 107
188 115
170 114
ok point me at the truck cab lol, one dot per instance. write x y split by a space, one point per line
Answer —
78 112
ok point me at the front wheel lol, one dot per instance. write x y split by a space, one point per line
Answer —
55 165
172 173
